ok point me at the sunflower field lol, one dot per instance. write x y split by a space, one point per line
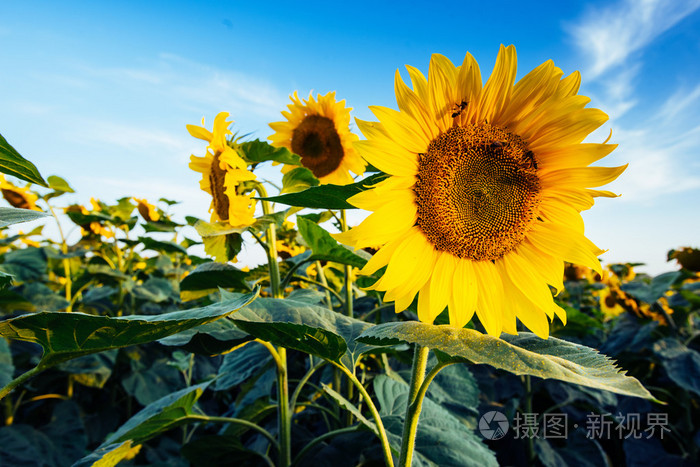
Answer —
466 321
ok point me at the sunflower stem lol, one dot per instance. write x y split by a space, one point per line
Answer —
284 415
66 261
386 448
413 405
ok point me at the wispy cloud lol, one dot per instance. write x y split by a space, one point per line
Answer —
609 36
194 85
658 143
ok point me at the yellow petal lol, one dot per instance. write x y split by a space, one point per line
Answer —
490 297
464 293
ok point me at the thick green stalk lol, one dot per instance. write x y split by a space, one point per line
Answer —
348 272
284 415
66 262
386 448
20 379
413 405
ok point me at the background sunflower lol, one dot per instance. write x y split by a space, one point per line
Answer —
318 131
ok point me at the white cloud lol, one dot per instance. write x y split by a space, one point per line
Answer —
609 36
195 85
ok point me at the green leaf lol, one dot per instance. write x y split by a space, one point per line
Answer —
13 164
7 368
65 336
148 384
215 275
59 184
327 196
681 363
5 280
107 456
441 439
91 370
209 339
307 328
298 179
324 247
162 415
525 354
9 216
350 407
261 151
238 366
652 291
161 246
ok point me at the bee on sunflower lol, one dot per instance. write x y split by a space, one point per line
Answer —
487 183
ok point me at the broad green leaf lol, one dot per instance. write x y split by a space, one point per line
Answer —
27 264
91 370
5 280
215 229
324 247
110 455
327 196
148 384
9 216
304 327
209 339
215 275
655 289
157 290
350 407
681 363
65 336
164 414
525 354
13 164
298 179
7 368
441 439
59 184
162 246
261 151
239 365
213 450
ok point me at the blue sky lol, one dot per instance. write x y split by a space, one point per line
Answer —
100 93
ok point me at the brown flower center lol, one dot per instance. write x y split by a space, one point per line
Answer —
318 143
15 199
216 181
477 192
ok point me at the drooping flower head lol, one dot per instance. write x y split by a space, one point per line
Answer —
147 210
223 170
318 131
487 183
19 197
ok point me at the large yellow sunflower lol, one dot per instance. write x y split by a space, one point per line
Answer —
487 184
318 131
223 170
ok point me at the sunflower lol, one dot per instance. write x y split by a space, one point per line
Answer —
223 170
482 206
147 210
318 131
18 197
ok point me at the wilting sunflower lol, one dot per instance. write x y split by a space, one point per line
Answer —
487 183
18 197
318 131
223 170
